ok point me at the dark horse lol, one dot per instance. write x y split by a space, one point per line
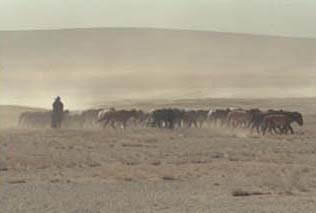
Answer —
167 118
282 121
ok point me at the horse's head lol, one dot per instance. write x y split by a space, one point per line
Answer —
298 118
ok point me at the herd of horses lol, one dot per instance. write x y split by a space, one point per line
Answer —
261 121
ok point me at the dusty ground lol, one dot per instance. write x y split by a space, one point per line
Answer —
152 170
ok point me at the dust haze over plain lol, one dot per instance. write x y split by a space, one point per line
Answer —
91 66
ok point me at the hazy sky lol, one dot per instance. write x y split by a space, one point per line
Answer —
276 17
42 55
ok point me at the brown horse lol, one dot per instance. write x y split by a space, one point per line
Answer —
258 116
118 117
282 121
239 118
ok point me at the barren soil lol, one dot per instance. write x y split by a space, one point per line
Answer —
152 170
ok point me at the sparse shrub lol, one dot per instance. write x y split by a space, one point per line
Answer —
241 193
3 166
168 178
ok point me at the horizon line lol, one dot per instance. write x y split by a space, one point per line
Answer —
157 28
166 99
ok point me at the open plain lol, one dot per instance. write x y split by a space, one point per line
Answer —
208 169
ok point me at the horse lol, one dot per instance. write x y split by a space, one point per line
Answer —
90 117
282 121
168 118
37 119
195 118
238 118
218 115
118 117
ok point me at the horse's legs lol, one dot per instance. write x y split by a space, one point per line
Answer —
291 129
189 124
241 123
283 129
228 122
170 124
245 125
160 123
238 124
106 122
267 126
286 129
258 128
249 123
195 124
234 123
201 124
280 129
214 121
263 129
254 125
113 124
272 129
192 123
124 124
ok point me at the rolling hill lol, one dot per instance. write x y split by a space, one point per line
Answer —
88 66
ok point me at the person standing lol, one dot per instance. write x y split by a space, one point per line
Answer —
57 114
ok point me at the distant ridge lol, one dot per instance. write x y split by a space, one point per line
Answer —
20 107
158 29
86 65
